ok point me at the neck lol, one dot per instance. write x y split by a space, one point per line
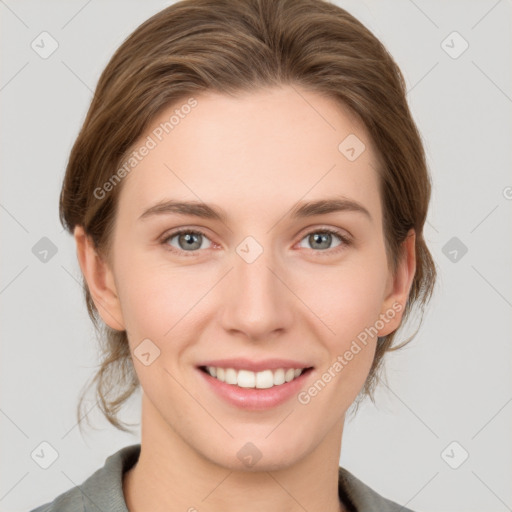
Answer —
171 476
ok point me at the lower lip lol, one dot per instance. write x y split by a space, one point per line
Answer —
253 398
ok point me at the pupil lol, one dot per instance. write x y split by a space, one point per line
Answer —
190 239
322 237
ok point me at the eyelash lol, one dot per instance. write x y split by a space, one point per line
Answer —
345 241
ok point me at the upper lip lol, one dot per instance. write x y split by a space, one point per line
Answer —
241 363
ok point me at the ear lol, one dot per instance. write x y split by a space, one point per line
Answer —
399 286
100 280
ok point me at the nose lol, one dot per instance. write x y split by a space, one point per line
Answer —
257 304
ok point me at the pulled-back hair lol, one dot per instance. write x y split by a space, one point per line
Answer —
231 46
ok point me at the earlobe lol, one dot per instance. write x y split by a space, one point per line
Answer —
100 280
399 287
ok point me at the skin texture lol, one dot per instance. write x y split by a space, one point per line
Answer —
254 156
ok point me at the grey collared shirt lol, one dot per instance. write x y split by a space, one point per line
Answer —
103 490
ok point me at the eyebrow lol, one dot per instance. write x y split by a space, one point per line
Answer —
302 209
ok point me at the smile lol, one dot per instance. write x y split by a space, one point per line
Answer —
248 379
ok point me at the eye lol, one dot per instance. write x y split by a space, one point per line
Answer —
183 241
187 240
321 239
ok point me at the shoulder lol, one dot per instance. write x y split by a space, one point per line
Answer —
103 490
69 501
362 497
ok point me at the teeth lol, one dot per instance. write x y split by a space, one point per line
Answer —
264 379
245 379
260 380
279 377
230 376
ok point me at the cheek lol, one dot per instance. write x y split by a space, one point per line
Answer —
349 307
158 305
347 299
157 297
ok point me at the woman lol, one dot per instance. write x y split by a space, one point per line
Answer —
247 196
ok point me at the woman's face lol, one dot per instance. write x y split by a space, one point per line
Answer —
260 286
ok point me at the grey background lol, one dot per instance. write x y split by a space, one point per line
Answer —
452 383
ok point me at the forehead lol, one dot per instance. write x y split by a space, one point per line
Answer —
256 153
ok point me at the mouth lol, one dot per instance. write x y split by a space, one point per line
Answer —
264 379
255 385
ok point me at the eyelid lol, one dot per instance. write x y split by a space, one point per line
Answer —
345 237
174 232
342 233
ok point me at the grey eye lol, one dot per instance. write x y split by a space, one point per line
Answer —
321 240
187 240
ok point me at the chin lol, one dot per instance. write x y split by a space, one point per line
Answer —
258 455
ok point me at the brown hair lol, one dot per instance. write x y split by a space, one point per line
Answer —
230 46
